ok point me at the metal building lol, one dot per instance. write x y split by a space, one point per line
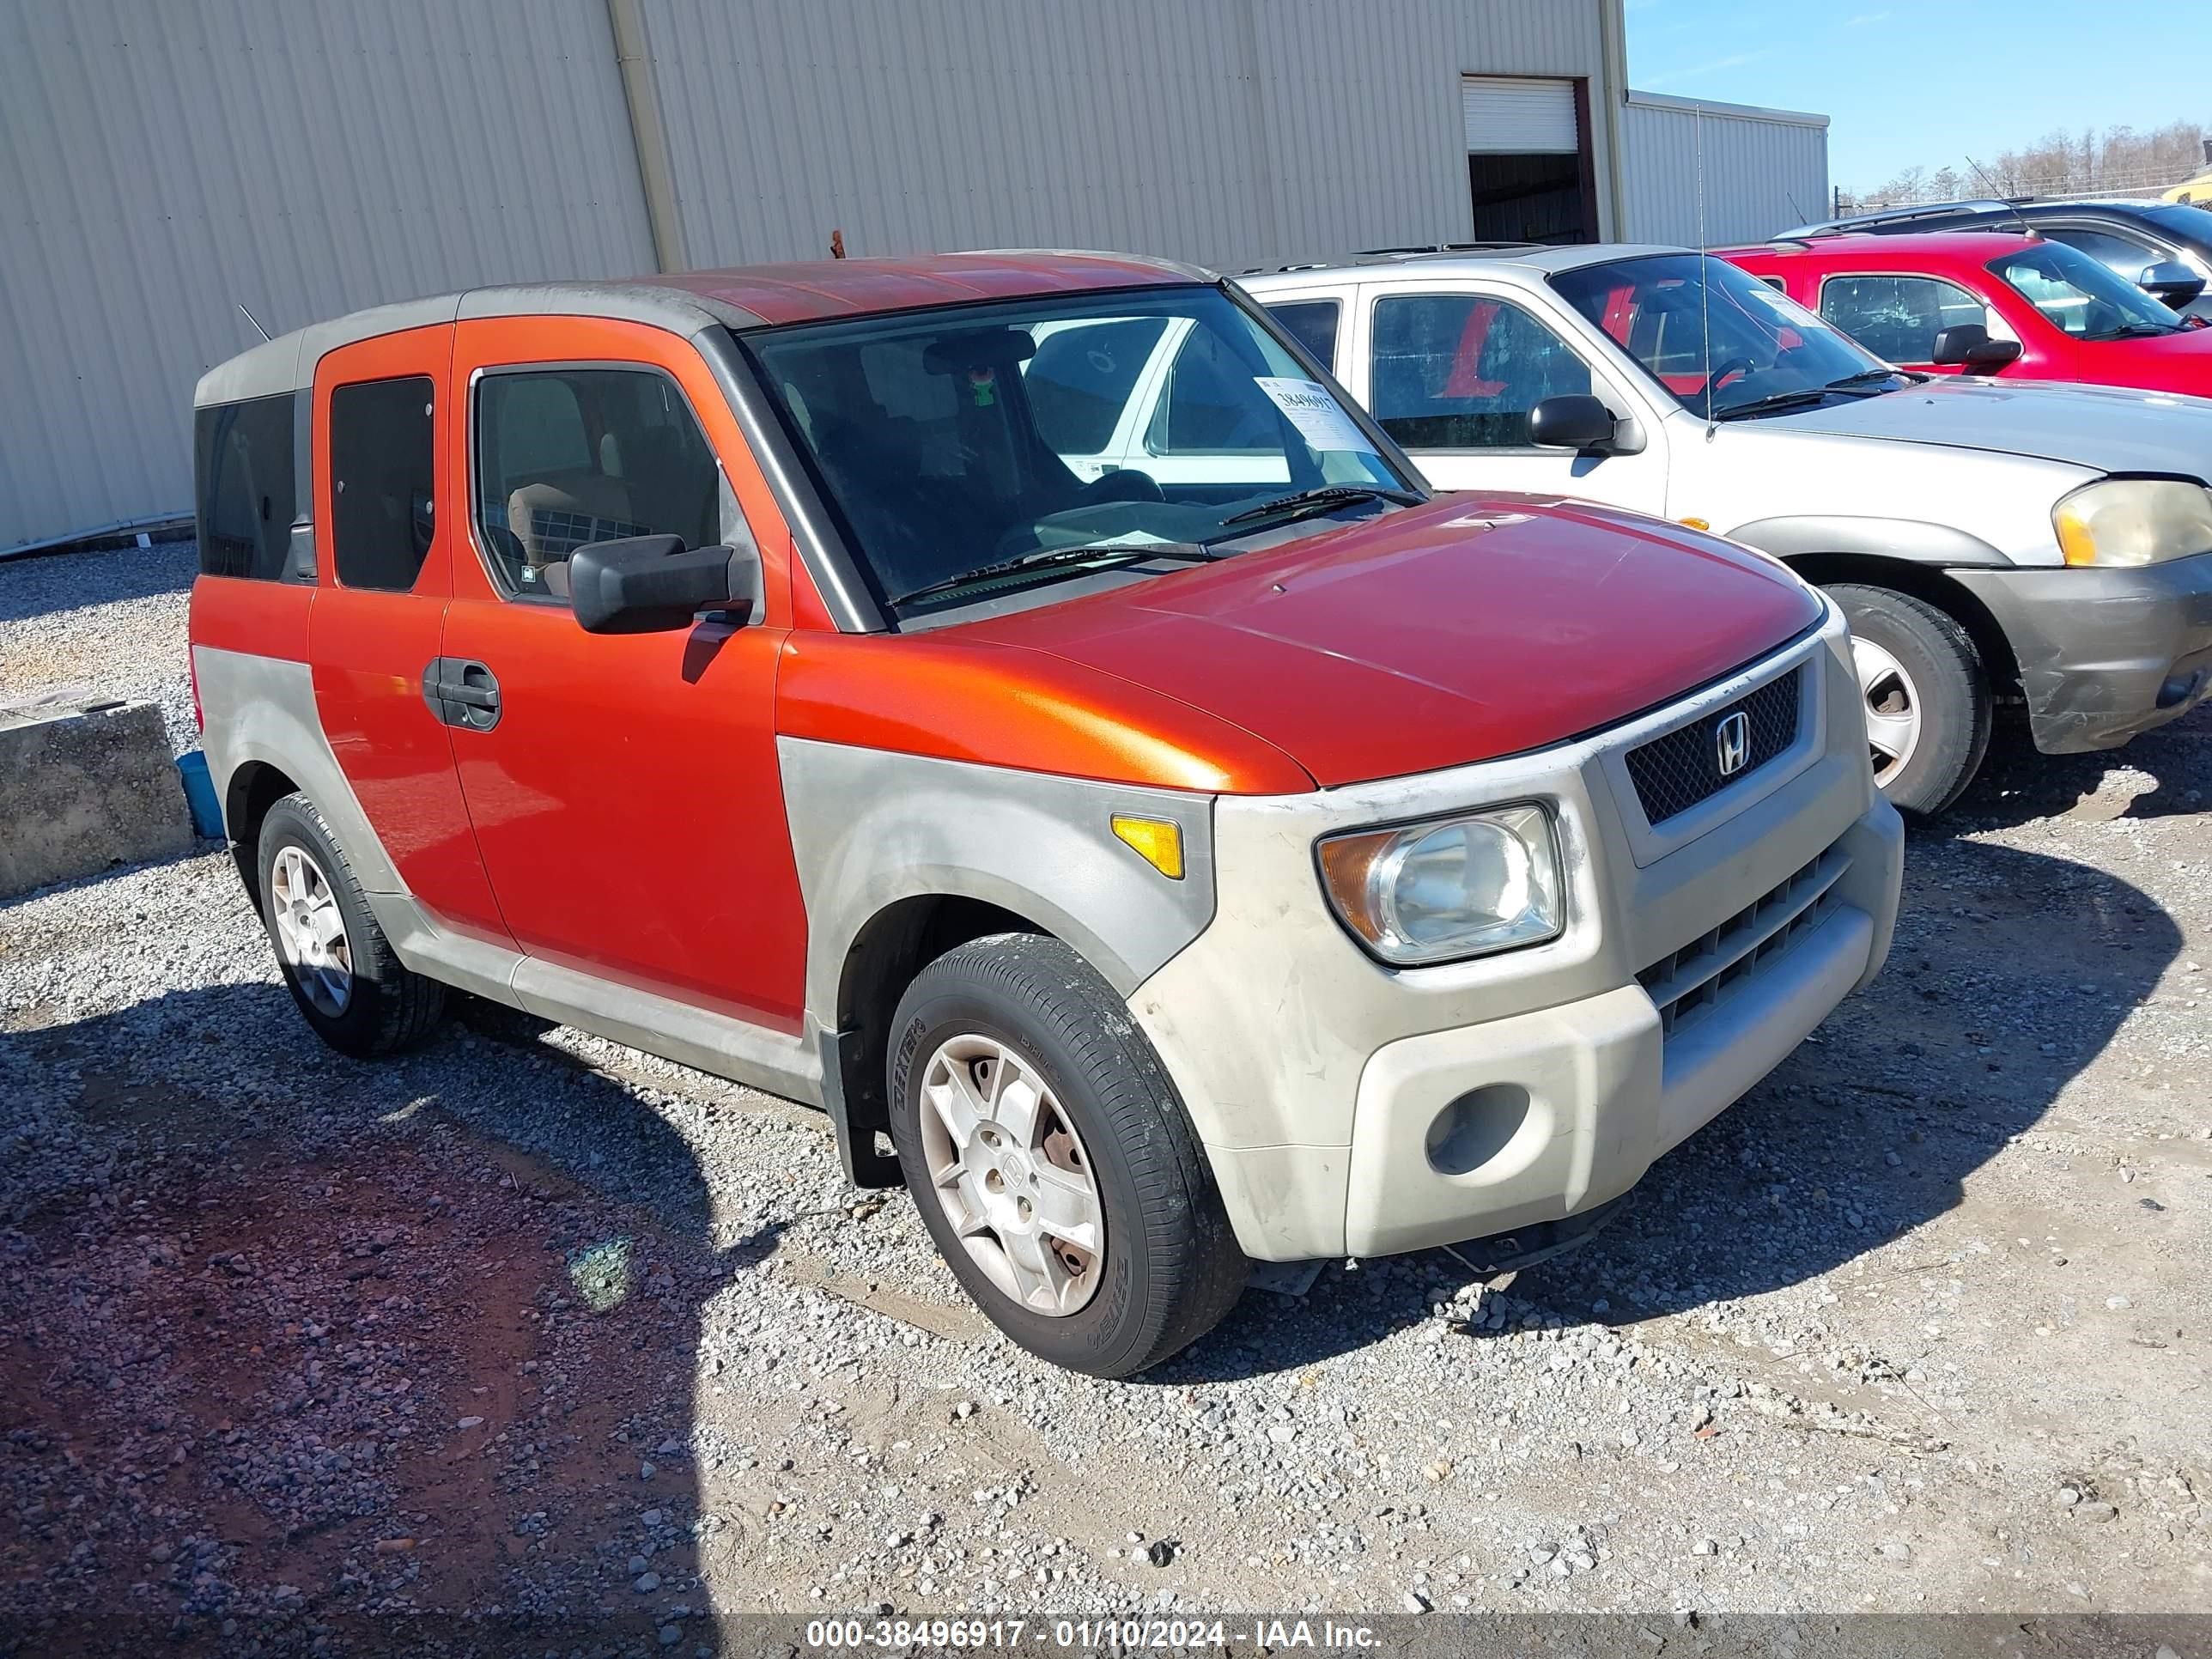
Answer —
1758 171
164 165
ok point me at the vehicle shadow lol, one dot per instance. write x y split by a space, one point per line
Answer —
381 1350
2167 772
1947 1054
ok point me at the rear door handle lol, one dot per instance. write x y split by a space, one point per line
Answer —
461 691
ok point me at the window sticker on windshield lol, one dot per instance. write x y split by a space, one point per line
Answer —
1320 419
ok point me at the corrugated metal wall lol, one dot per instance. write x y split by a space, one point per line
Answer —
1765 171
1230 133
162 161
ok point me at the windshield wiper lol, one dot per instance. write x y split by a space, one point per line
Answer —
1773 402
1866 377
1104 553
2137 332
1322 498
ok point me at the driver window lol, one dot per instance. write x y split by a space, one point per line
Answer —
571 456
1462 371
1898 318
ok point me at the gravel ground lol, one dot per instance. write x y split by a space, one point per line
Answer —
529 1334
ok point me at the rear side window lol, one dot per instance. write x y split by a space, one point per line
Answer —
2125 256
1312 324
1898 318
382 472
245 495
571 456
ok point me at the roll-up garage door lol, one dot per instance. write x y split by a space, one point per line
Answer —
1519 117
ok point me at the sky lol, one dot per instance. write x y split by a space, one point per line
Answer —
1927 82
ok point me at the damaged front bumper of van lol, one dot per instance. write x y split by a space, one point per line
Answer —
2104 654
1349 1108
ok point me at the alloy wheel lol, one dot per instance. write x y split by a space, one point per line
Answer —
311 933
1011 1175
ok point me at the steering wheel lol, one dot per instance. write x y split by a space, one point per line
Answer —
1126 483
1727 371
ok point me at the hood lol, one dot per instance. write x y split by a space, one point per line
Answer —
2181 361
2110 428
1463 630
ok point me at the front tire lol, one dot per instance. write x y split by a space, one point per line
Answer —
1052 1162
336 963
1925 693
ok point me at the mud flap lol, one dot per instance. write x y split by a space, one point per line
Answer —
857 1112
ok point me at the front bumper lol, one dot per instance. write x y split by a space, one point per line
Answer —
1319 1080
2103 655
1568 1107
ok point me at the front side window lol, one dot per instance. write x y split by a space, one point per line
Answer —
1898 318
1312 324
245 486
1462 371
566 457
1721 342
940 439
2081 296
383 476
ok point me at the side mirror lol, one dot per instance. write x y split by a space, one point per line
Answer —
2173 282
1573 420
1968 345
650 583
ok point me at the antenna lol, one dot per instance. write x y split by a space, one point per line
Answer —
248 315
1795 212
1991 186
1704 288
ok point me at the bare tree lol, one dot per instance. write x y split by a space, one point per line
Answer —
2118 161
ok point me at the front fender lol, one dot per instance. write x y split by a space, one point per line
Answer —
870 827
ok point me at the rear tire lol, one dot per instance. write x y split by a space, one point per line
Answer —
1017 1074
1927 698
336 963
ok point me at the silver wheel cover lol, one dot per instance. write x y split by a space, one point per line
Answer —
1012 1175
311 933
1891 703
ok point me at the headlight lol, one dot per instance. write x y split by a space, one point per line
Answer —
1438 891
2128 521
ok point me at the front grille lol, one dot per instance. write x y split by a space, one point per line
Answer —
1687 983
1675 773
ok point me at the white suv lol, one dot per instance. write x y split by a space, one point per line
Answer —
2047 544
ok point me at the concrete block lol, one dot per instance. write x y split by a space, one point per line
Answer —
85 781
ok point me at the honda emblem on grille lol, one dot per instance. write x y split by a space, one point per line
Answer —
1732 743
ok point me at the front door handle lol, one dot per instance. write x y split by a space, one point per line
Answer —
461 691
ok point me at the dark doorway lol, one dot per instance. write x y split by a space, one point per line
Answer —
1531 198
1531 177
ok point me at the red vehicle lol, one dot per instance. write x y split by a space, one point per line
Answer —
1983 302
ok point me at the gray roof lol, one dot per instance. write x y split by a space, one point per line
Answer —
742 297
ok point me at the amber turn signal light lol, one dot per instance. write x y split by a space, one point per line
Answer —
1158 841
